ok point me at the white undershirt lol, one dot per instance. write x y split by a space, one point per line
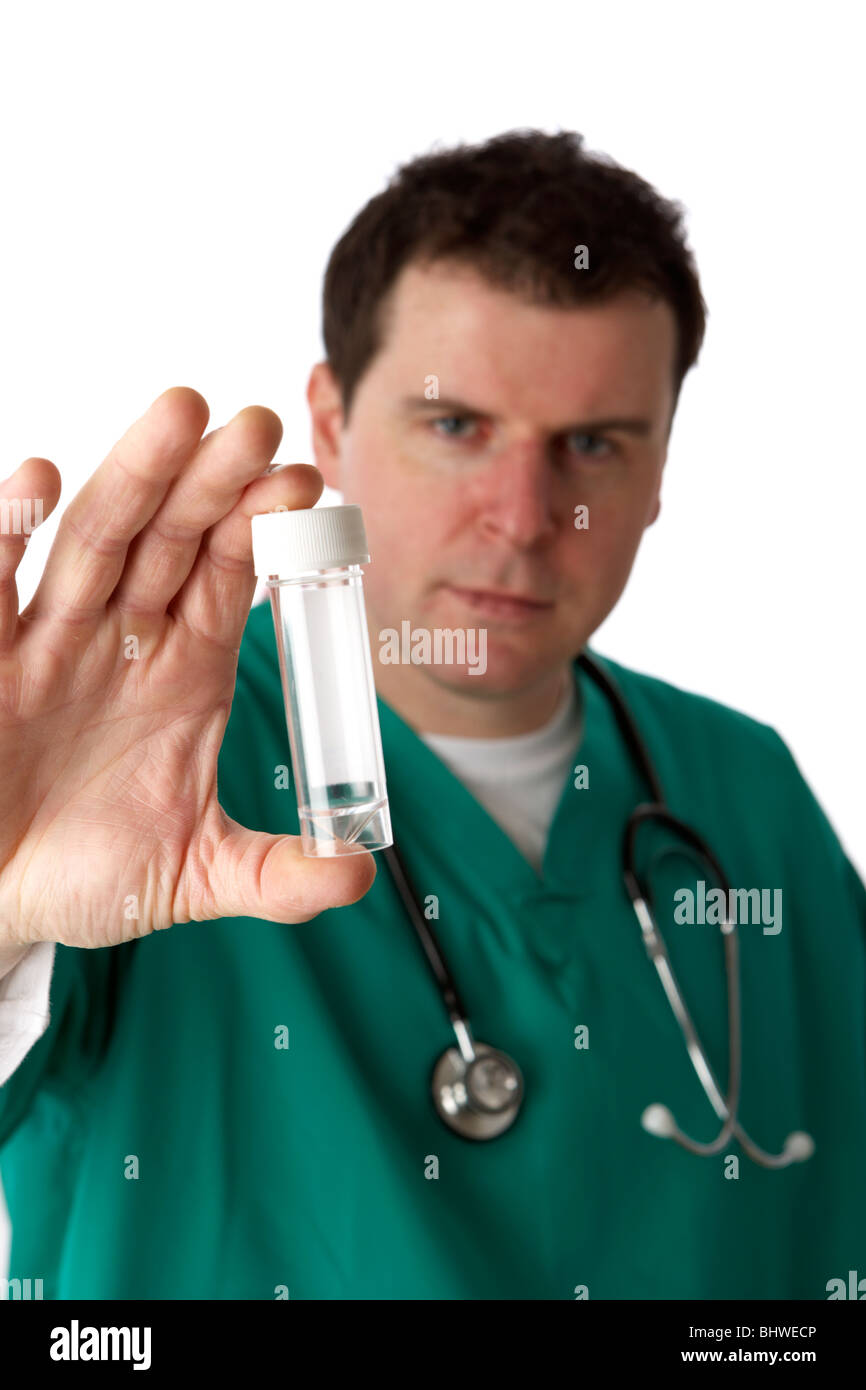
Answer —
519 779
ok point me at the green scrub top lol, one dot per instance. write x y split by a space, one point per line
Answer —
159 1141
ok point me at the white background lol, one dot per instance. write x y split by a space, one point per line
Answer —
175 174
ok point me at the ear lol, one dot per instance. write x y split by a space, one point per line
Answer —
326 414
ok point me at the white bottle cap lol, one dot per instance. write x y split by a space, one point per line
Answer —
309 538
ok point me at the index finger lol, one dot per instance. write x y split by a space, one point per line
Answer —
89 550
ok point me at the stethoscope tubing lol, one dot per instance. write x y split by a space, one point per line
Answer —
657 1119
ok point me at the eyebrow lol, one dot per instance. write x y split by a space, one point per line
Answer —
635 425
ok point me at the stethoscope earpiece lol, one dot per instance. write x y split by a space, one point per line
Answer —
797 1148
658 1120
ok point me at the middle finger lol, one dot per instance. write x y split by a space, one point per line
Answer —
163 554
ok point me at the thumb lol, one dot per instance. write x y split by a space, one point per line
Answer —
256 875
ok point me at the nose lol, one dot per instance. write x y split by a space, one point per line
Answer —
514 495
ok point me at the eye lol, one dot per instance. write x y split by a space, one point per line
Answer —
453 426
588 445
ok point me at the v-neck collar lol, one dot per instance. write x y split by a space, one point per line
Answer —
428 800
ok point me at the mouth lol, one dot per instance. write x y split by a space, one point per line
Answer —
499 604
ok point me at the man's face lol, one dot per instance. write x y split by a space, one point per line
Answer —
540 411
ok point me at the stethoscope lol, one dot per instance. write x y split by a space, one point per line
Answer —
478 1090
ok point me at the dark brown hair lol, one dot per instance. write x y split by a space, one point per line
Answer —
514 208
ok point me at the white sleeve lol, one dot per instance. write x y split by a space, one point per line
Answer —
24 1012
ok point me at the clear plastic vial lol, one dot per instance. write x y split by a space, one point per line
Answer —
311 559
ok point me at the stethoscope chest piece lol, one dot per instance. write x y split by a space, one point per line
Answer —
481 1098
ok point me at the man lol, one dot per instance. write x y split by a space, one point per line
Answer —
241 1106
